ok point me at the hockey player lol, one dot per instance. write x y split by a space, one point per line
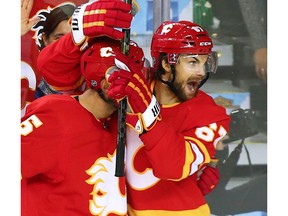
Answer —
68 145
108 16
88 22
179 125
66 64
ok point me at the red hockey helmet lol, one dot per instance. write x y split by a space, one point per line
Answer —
98 60
181 37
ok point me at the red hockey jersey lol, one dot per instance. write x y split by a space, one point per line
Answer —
162 172
162 164
68 161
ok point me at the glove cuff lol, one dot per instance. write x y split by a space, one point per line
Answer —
78 36
145 121
151 113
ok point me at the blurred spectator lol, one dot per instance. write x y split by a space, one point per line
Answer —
240 19
53 25
255 16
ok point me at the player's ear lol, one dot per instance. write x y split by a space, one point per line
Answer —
167 70
166 66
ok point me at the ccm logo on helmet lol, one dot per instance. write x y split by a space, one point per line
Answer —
205 43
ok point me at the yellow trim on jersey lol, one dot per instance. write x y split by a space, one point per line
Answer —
190 156
188 159
203 210
152 86
170 105
202 147
77 84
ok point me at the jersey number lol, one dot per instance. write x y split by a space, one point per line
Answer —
27 125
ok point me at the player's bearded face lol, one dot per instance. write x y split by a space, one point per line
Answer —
190 71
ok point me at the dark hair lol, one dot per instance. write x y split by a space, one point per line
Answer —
160 70
49 20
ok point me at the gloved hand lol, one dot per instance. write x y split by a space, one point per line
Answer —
130 82
98 18
208 179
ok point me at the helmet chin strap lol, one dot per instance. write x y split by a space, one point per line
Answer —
100 92
170 84
204 80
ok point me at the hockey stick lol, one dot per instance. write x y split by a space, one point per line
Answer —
121 136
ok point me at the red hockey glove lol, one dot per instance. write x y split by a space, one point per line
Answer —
99 18
129 81
208 179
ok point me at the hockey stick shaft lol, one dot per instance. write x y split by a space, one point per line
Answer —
121 136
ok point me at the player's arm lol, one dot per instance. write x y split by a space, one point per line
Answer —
58 63
188 144
178 154
173 155
99 18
